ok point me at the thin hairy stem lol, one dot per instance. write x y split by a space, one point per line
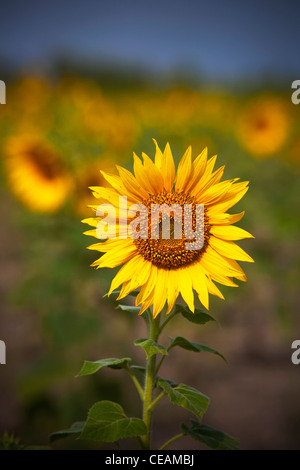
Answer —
171 440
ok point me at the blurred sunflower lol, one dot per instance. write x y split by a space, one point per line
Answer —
86 177
35 173
263 127
164 268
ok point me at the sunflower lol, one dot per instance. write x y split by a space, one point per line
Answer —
36 174
263 127
164 268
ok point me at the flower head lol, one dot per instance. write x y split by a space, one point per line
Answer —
263 127
36 174
164 267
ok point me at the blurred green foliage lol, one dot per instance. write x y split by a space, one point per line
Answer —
90 123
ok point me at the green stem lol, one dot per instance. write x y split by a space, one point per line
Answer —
149 382
136 383
171 440
159 364
168 318
154 403
141 442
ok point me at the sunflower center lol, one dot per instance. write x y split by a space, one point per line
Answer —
45 162
171 252
261 124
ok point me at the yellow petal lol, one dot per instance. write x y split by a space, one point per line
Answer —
218 276
213 289
200 284
240 275
215 193
172 290
219 263
131 184
115 181
147 303
150 284
141 174
160 292
158 155
168 168
141 275
184 170
124 274
116 256
232 199
221 218
91 233
92 221
106 194
207 181
229 232
198 168
186 287
229 249
154 175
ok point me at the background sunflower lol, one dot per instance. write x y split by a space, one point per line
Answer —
263 126
36 174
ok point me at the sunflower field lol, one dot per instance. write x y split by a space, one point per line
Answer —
56 134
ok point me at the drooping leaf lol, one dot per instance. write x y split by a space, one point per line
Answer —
198 316
212 438
191 346
185 396
107 422
90 367
170 382
151 347
76 428
129 308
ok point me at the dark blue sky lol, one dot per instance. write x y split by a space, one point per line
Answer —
223 39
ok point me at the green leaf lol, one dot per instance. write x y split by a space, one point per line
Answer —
129 308
150 347
198 317
185 396
76 428
211 437
9 442
107 422
191 346
116 293
90 367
